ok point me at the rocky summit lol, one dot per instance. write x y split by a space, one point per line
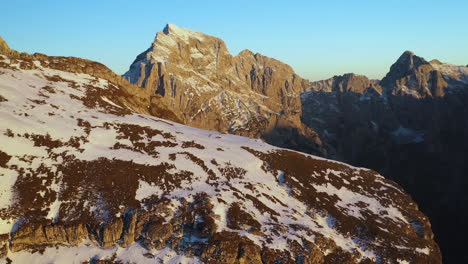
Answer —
410 126
248 94
90 174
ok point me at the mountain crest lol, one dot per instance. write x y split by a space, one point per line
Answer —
246 52
407 62
168 27
409 75
181 33
411 58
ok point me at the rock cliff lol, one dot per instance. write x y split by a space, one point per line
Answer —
248 94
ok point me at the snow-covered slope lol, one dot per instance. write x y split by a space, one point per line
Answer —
85 177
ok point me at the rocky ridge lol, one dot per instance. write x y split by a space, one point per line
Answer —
140 100
87 177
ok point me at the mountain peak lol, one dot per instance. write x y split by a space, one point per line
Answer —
246 52
173 30
410 59
435 62
404 66
408 53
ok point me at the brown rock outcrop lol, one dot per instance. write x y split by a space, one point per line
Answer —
4 244
39 236
4 48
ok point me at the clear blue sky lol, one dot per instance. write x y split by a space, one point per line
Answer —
318 39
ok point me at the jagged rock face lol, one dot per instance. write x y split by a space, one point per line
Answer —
350 124
345 111
415 77
86 178
248 94
409 133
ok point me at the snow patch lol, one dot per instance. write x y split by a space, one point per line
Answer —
146 190
105 99
349 200
7 179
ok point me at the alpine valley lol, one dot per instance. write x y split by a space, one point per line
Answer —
198 156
